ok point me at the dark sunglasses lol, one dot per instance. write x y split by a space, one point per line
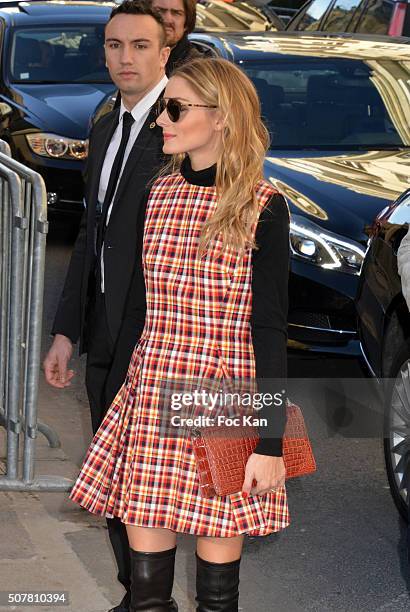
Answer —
174 108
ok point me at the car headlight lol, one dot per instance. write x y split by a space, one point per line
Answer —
57 147
311 243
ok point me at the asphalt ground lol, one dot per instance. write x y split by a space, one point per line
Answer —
345 549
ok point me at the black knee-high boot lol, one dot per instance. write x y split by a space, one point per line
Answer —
217 586
152 577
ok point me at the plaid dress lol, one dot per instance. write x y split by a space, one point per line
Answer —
197 326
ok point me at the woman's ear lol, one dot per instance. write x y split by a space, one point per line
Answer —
220 122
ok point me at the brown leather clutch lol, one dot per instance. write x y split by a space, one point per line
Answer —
221 453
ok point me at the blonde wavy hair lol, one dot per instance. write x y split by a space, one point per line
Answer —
245 140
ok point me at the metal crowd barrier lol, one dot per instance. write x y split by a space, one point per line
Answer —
5 148
23 230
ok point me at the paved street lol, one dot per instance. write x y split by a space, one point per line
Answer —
344 551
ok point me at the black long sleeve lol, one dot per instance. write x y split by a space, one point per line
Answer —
67 320
270 272
68 316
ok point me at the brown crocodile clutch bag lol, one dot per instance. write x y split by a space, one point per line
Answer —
221 453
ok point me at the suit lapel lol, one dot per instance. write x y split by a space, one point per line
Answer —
100 149
148 132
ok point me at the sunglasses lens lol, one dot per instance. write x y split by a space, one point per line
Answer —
173 110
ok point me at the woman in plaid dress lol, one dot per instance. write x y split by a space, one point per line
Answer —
215 267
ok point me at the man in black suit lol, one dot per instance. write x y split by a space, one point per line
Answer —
125 153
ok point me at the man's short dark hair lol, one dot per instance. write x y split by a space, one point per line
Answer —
140 7
190 15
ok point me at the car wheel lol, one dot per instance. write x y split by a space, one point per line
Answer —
397 430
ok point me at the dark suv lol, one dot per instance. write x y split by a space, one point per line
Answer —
53 76
388 17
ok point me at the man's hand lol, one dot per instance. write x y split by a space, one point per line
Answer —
56 362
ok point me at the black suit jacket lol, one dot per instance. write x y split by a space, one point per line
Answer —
121 239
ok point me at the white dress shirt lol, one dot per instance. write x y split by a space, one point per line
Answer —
140 113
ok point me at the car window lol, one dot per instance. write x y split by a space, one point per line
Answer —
216 16
206 48
311 18
2 30
340 17
336 103
357 15
376 18
58 55
401 211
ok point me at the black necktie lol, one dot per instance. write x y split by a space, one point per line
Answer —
127 121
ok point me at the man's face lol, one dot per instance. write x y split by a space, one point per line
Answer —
133 53
173 14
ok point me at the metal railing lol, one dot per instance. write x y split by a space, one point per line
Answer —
23 230
5 148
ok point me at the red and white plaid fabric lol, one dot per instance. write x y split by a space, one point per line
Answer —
197 326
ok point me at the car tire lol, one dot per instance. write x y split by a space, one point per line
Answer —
397 430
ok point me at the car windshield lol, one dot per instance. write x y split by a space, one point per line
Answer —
59 54
336 103
217 16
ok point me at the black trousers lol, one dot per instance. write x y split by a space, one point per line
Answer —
99 359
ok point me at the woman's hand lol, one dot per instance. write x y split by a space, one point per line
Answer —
269 473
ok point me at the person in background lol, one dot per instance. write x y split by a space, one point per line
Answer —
179 20
125 154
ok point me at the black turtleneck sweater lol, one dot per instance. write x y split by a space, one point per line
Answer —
270 271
